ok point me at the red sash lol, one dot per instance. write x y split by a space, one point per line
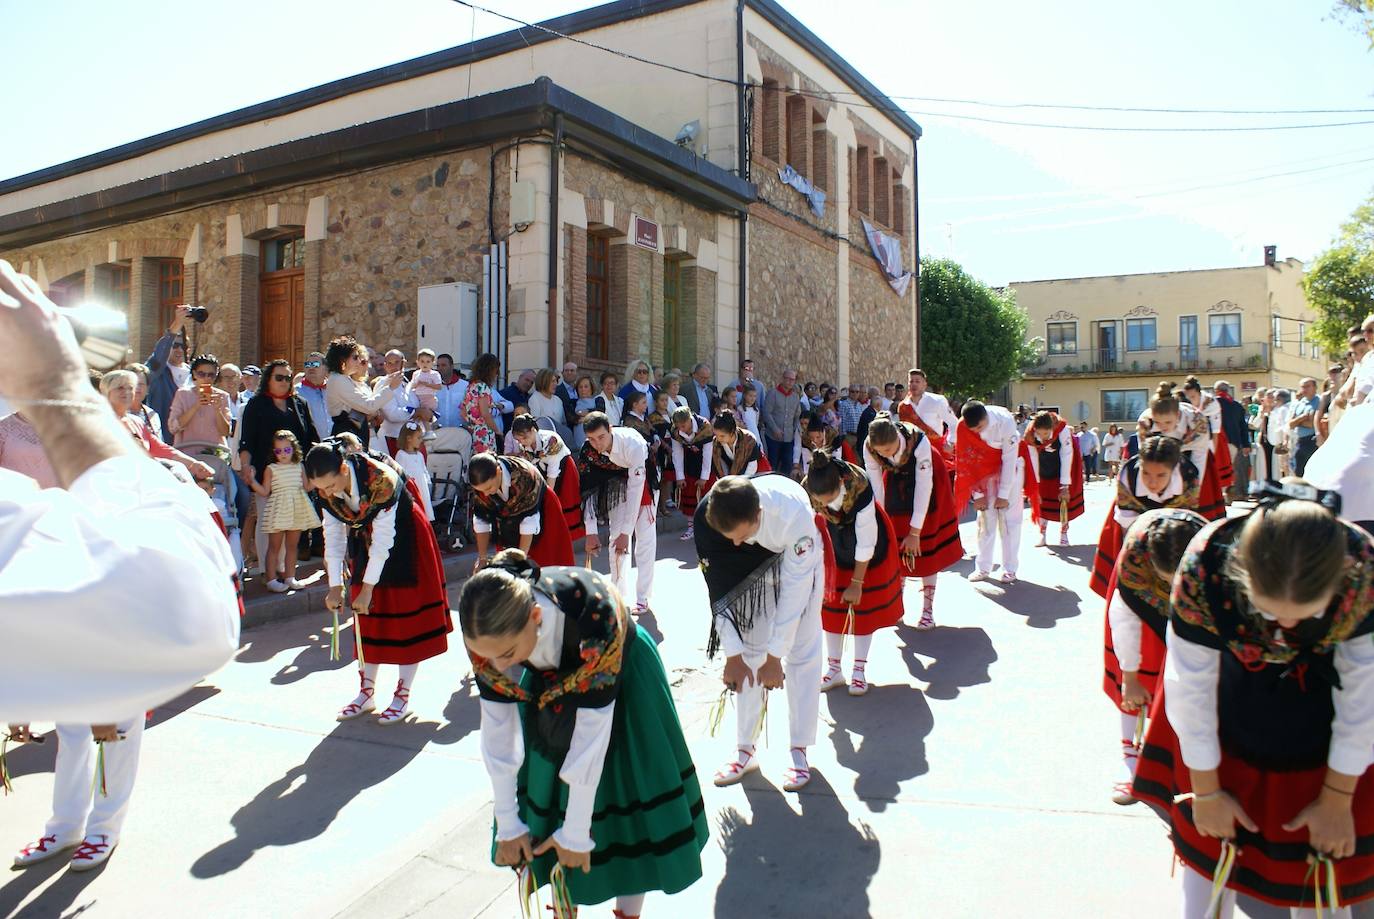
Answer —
906 411
975 461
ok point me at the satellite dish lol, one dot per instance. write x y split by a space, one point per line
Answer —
1083 411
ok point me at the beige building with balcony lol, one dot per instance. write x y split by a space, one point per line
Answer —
1109 341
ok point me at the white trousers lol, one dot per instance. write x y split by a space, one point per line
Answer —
1006 522
802 669
78 808
1197 895
644 548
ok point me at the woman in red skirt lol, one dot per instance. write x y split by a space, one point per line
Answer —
1169 416
1054 474
910 483
1266 732
551 456
732 450
1137 616
1158 476
817 436
513 507
375 528
1219 450
863 578
689 435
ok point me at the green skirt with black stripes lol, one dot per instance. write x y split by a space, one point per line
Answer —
649 821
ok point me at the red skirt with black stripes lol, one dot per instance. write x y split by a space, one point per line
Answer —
880 605
1226 472
940 545
1151 659
1210 501
569 493
552 545
1104 561
1271 864
409 623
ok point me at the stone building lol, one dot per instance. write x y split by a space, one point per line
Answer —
524 193
1109 341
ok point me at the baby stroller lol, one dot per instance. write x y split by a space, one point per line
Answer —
449 453
223 493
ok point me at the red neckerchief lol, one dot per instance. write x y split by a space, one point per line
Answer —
305 381
454 379
976 461
780 389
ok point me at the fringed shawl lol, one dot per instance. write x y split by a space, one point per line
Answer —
742 581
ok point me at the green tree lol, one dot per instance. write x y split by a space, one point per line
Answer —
1339 283
973 338
1360 13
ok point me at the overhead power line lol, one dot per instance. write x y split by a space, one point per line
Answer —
1141 109
896 110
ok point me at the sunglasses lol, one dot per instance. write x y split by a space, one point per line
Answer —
205 374
311 365
284 451
280 378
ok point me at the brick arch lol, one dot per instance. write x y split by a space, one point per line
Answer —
150 248
264 222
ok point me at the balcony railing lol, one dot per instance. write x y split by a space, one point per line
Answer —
1165 359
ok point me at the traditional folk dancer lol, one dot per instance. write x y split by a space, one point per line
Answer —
910 482
689 435
1266 732
1134 656
818 436
591 712
1168 416
511 500
863 577
93 782
764 567
635 419
613 465
1220 447
375 529
731 451
930 412
554 460
1158 476
1054 474
990 470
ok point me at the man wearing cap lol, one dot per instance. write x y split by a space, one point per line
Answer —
252 376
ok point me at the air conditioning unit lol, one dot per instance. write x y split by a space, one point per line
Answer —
448 321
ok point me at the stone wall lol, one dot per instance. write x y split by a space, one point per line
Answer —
792 290
880 325
388 232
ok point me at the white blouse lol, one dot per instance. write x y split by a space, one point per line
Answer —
542 406
551 465
925 478
529 526
336 538
503 747
1175 488
711 446
414 465
865 527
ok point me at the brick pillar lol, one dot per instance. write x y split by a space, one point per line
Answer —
575 295
798 153
697 315
655 303
631 301
242 317
314 286
145 327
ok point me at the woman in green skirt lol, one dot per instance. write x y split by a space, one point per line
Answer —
588 765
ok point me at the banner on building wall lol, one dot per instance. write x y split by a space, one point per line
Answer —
814 196
888 252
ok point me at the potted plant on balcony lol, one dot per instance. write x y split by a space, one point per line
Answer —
1135 366
1210 362
1084 368
1254 360
1154 365
1169 366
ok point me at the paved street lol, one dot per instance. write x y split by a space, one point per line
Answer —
972 781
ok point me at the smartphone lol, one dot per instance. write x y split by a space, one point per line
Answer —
205 390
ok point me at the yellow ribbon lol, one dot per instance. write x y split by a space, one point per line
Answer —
334 637
762 726
717 712
5 782
1222 873
1063 511
526 890
563 906
1331 896
1140 728
98 782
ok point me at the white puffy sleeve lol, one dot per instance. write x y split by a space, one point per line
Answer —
866 532
582 772
1125 626
874 468
1066 456
1352 728
335 548
925 483
67 642
383 538
1191 672
503 752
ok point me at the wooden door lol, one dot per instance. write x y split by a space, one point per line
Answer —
281 298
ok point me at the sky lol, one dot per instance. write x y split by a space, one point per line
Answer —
1011 203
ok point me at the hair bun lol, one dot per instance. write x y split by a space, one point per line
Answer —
516 563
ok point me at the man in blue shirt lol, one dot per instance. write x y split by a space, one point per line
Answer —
699 392
1302 420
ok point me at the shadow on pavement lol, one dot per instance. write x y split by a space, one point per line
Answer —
56 899
1082 556
961 657
1042 606
649 623
881 737
303 803
784 864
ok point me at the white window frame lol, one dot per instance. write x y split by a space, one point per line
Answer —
1240 330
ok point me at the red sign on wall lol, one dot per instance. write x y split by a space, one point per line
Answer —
1248 386
646 234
